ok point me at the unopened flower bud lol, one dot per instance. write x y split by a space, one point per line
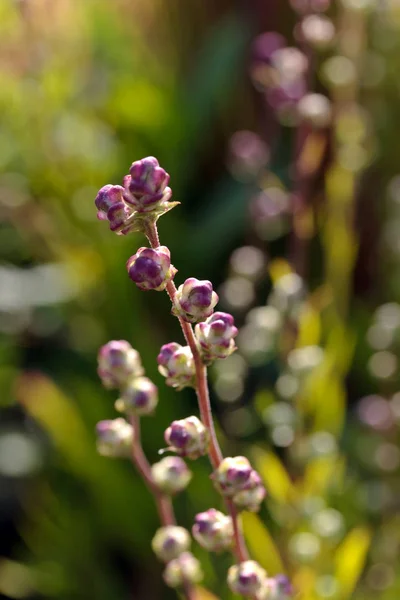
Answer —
213 530
139 396
114 437
175 362
118 362
290 63
215 336
150 268
316 110
107 196
317 31
187 437
184 569
276 588
251 497
170 542
171 474
194 300
146 185
247 578
232 475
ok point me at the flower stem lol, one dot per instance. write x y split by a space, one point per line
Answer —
203 398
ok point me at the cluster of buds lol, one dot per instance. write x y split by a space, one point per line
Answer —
194 300
143 197
119 366
215 336
175 362
171 545
187 437
235 478
213 530
151 269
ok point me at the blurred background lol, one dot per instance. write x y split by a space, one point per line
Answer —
290 207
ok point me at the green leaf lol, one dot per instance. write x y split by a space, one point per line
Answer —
261 545
350 560
274 475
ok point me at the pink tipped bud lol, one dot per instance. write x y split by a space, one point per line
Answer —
118 362
114 438
139 396
107 196
251 497
171 474
213 530
187 437
232 475
184 569
247 578
195 300
215 336
170 542
146 185
175 362
150 268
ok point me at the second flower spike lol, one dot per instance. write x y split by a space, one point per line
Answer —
150 268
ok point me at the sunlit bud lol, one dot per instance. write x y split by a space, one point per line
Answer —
251 497
316 110
118 363
170 542
184 569
114 438
213 530
175 362
318 31
139 396
276 588
247 578
150 268
194 300
187 437
215 336
171 474
146 185
232 475
107 196
290 63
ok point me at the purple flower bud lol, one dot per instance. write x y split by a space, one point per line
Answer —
187 437
317 31
247 578
251 497
171 474
150 268
316 110
194 300
213 530
146 185
232 475
114 438
117 215
169 542
184 569
276 588
118 362
177 365
215 336
139 396
107 196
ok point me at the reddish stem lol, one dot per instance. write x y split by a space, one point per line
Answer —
203 398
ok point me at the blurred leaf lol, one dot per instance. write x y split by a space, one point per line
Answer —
202 593
309 327
261 545
320 473
274 475
350 560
